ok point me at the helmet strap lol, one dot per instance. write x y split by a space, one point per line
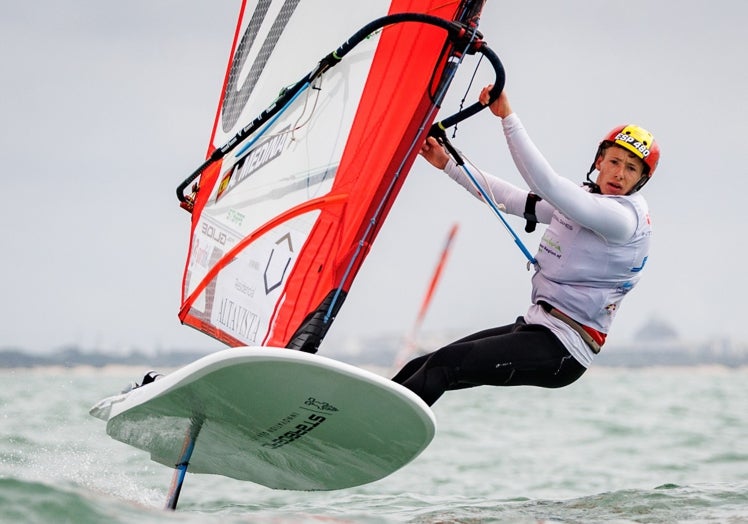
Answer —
640 184
594 188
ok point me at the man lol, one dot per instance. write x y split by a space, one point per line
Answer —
590 256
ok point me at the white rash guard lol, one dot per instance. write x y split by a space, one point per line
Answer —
591 254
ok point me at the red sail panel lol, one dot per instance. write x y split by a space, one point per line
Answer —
380 151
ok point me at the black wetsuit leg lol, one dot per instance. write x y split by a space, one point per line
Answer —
513 355
412 366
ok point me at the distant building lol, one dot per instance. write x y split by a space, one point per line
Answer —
656 330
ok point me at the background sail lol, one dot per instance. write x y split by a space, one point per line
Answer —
282 224
410 346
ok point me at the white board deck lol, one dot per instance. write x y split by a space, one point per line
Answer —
277 417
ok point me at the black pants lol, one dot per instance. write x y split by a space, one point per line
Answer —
519 354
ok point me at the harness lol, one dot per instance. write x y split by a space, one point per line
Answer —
592 337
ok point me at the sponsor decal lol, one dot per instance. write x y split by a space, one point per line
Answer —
639 268
238 320
318 404
320 412
564 221
211 231
244 288
311 422
277 426
550 246
204 254
625 288
235 217
200 254
251 161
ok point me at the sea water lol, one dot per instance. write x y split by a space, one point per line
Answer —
620 445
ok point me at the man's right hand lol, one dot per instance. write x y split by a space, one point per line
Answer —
434 153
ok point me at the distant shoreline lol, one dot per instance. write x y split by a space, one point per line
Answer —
75 357
376 354
166 365
84 369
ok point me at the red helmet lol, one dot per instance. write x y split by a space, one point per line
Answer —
637 140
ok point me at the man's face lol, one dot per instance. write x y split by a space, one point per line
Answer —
620 170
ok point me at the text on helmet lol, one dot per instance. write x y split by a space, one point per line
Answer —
633 142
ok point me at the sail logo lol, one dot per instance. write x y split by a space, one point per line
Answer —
200 254
238 320
255 159
210 231
236 98
278 263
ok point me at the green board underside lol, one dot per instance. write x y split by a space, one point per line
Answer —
280 418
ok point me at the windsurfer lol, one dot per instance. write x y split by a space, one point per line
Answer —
589 258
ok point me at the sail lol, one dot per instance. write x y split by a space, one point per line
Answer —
306 158
410 346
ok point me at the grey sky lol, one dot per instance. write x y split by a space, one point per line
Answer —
106 107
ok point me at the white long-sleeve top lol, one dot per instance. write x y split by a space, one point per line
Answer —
591 254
